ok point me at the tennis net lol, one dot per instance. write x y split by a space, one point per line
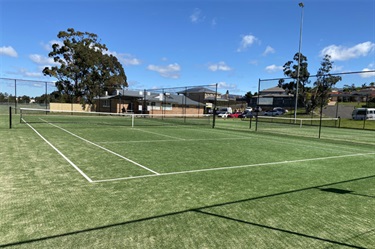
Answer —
28 115
327 122
308 127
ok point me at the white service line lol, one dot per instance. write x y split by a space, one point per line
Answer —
61 154
101 147
233 167
159 134
171 140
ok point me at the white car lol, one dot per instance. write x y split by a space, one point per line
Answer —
223 114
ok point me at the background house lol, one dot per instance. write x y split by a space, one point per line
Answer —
146 102
207 97
273 97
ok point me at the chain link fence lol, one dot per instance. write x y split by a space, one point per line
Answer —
315 100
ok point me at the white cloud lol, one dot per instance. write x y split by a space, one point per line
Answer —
196 17
169 71
25 73
341 53
221 66
33 74
224 85
8 51
336 68
39 59
273 68
269 50
48 46
370 67
369 74
130 61
126 59
247 41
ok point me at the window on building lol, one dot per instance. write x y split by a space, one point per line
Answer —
106 103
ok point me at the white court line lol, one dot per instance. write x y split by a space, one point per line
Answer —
61 154
159 134
172 140
233 167
101 147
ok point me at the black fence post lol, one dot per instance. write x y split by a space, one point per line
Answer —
10 117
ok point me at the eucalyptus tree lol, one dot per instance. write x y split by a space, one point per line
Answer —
323 84
83 67
300 78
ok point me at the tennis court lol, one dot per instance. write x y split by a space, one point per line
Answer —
101 184
100 151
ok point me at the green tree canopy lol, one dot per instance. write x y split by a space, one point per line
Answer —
84 69
290 69
323 84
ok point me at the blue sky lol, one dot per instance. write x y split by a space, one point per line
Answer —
169 43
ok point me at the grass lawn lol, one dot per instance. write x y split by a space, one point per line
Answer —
74 185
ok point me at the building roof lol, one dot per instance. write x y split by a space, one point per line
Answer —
197 90
172 98
274 92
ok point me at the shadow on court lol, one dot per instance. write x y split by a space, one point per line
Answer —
201 210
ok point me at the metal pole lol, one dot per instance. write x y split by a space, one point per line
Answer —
364 118
321 109
15 96
257 108
10 117
214 108
299 61
46 96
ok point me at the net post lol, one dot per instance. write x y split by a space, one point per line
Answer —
133 116
10 117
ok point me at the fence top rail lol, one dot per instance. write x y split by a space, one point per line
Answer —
40 81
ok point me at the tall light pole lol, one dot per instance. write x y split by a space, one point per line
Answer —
299 60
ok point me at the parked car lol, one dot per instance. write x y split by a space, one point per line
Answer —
273 113
235 115
224 109
281 109
246 114
223 114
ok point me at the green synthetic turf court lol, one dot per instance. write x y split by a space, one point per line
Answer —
75 185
